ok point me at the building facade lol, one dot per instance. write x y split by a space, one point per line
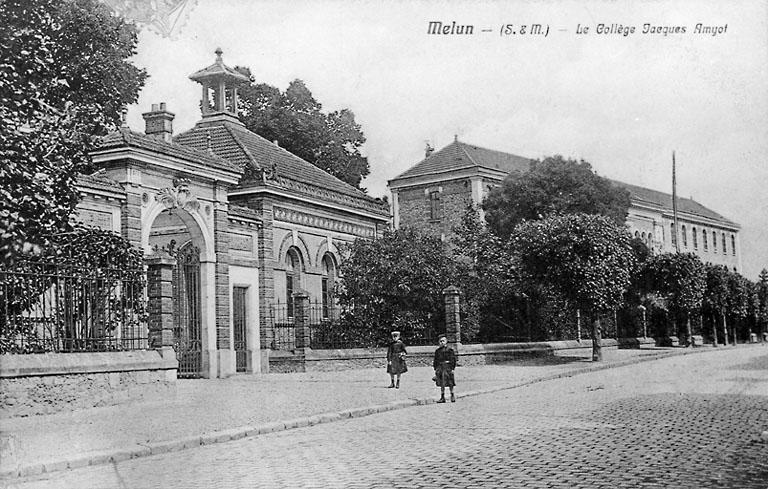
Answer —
240 223
434 194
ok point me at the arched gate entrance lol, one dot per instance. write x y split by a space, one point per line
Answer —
187 329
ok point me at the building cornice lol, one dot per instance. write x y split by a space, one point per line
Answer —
441 177
285 193
165 161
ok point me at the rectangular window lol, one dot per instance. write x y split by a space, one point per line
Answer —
289 293
435 210
733 245
326 297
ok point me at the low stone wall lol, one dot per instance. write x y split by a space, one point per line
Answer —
482 354
54 382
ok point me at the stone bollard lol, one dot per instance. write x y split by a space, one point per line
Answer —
451 301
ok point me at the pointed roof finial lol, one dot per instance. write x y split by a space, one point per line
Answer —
219 52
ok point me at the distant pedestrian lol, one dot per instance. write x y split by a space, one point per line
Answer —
444 363
396 360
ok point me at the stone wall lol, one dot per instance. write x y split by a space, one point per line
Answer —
56 382
421 356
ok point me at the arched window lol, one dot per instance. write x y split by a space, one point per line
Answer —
695 241
704 238
292 277
637 234
685 237
725 246
328 281
733 245
672 234
714 242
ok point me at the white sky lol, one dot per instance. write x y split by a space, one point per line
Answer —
621 103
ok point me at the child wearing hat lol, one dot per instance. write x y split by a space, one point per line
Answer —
396 360
444 363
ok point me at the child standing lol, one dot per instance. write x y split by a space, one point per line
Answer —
444 363
396 360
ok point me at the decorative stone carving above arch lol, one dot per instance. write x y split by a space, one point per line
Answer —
198 226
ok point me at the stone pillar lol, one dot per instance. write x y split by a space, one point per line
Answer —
266 275
301 319
452 316
161 305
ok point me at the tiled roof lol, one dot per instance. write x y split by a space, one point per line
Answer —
126 137
249 151
99 181
664 200
459 155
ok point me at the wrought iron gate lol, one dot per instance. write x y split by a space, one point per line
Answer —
238 319
187 329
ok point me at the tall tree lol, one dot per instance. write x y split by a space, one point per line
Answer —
553 186
487 274
680 278
587 258
65 79
395 281
294 118
715 299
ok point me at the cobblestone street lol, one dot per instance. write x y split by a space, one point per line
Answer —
690 422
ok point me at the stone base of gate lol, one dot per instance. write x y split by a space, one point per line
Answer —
226 363
57 382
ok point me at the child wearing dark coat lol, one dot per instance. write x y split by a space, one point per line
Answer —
396 360
444 364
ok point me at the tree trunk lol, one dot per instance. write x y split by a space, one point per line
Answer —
725 331
597 350
714 331
688 331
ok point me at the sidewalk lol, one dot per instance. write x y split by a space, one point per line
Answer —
211 411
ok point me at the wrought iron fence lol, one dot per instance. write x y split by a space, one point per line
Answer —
283 328
59 307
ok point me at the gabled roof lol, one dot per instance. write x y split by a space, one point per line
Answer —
125 137
459 155
663 200
250 152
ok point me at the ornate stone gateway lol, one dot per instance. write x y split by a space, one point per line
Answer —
187 331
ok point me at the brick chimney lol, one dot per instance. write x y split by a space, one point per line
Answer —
159 122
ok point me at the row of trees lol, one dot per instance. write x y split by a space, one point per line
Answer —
555 248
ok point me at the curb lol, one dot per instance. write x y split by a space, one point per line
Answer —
156 448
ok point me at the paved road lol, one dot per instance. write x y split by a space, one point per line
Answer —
685 422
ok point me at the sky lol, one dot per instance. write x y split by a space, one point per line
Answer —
621 102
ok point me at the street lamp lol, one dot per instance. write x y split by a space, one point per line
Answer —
641 308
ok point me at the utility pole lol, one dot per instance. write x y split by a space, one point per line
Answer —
676 237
